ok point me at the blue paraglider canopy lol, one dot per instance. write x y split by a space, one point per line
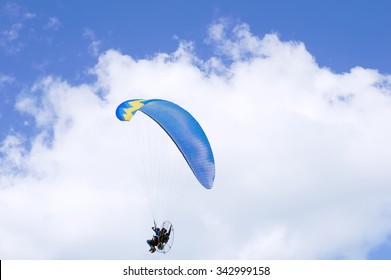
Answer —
183 129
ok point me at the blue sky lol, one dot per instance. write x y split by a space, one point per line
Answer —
69 46
60 37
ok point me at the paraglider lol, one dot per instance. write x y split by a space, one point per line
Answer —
189 138
163 238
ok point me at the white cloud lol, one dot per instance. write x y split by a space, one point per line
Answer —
5 79
14 10
11 34
53 23
302 157
9 39
12 146
29 15
93 47
241 43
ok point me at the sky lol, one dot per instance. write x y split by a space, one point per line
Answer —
294 96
